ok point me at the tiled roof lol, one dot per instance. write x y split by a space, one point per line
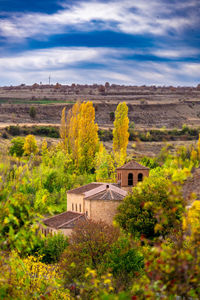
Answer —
132 165
65 220
106 195
85 188
107 192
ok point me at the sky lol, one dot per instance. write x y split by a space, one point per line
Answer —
129 42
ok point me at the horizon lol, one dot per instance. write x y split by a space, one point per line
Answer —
127 43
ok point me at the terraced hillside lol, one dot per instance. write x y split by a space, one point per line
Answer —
149 107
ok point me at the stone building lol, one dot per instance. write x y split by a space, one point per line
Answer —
96 200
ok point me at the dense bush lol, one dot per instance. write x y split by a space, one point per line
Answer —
149 210
17 147
51 248
125 263
13 130
32 112
88 243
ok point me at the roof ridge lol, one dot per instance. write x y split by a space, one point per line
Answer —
58 215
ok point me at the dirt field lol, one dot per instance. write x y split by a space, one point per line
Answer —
149 107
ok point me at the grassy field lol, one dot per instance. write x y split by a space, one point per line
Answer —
24 101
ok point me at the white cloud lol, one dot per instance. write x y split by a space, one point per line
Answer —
67 65
129 16
176 53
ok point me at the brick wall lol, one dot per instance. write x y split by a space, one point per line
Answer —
123 174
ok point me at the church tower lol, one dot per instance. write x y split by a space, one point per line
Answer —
130 174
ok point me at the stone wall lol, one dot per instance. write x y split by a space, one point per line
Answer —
46 230
104 210
75 203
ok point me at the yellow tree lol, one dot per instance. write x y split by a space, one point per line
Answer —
63 129
30 145
73 130
87 136
198 147
120 131
105 170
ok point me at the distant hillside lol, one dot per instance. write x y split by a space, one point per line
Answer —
148 106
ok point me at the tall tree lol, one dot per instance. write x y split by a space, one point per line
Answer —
88 140
73 119
120 131
30 145
105 169
63 129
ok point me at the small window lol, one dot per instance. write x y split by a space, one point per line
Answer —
130 179
72 206
86 213
140 177
76 208
80 207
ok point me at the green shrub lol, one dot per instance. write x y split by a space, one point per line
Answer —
124 262
17 147
32 112
13 130
53 247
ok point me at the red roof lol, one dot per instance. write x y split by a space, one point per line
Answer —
85 188
65 220
132 165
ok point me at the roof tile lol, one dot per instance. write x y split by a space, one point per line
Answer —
64 220
132 165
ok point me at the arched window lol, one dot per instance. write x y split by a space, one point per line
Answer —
130 179
140 177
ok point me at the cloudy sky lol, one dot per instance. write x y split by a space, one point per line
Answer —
85 41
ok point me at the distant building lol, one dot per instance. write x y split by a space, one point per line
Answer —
96 201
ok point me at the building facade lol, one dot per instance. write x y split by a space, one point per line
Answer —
96 201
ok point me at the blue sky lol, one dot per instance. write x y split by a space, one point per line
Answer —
127 42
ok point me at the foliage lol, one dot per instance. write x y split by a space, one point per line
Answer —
124 261
149 162
17 218
81 133
150 210
63 129
13 130
120 131
17 147
73 131
105 169
171 270
32 112
112 116
51 248
88 243
87 137
30 145
29 279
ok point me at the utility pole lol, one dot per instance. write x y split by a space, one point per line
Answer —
49 79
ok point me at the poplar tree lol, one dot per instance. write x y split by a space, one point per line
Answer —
63 129
120 131
73 119
87 137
